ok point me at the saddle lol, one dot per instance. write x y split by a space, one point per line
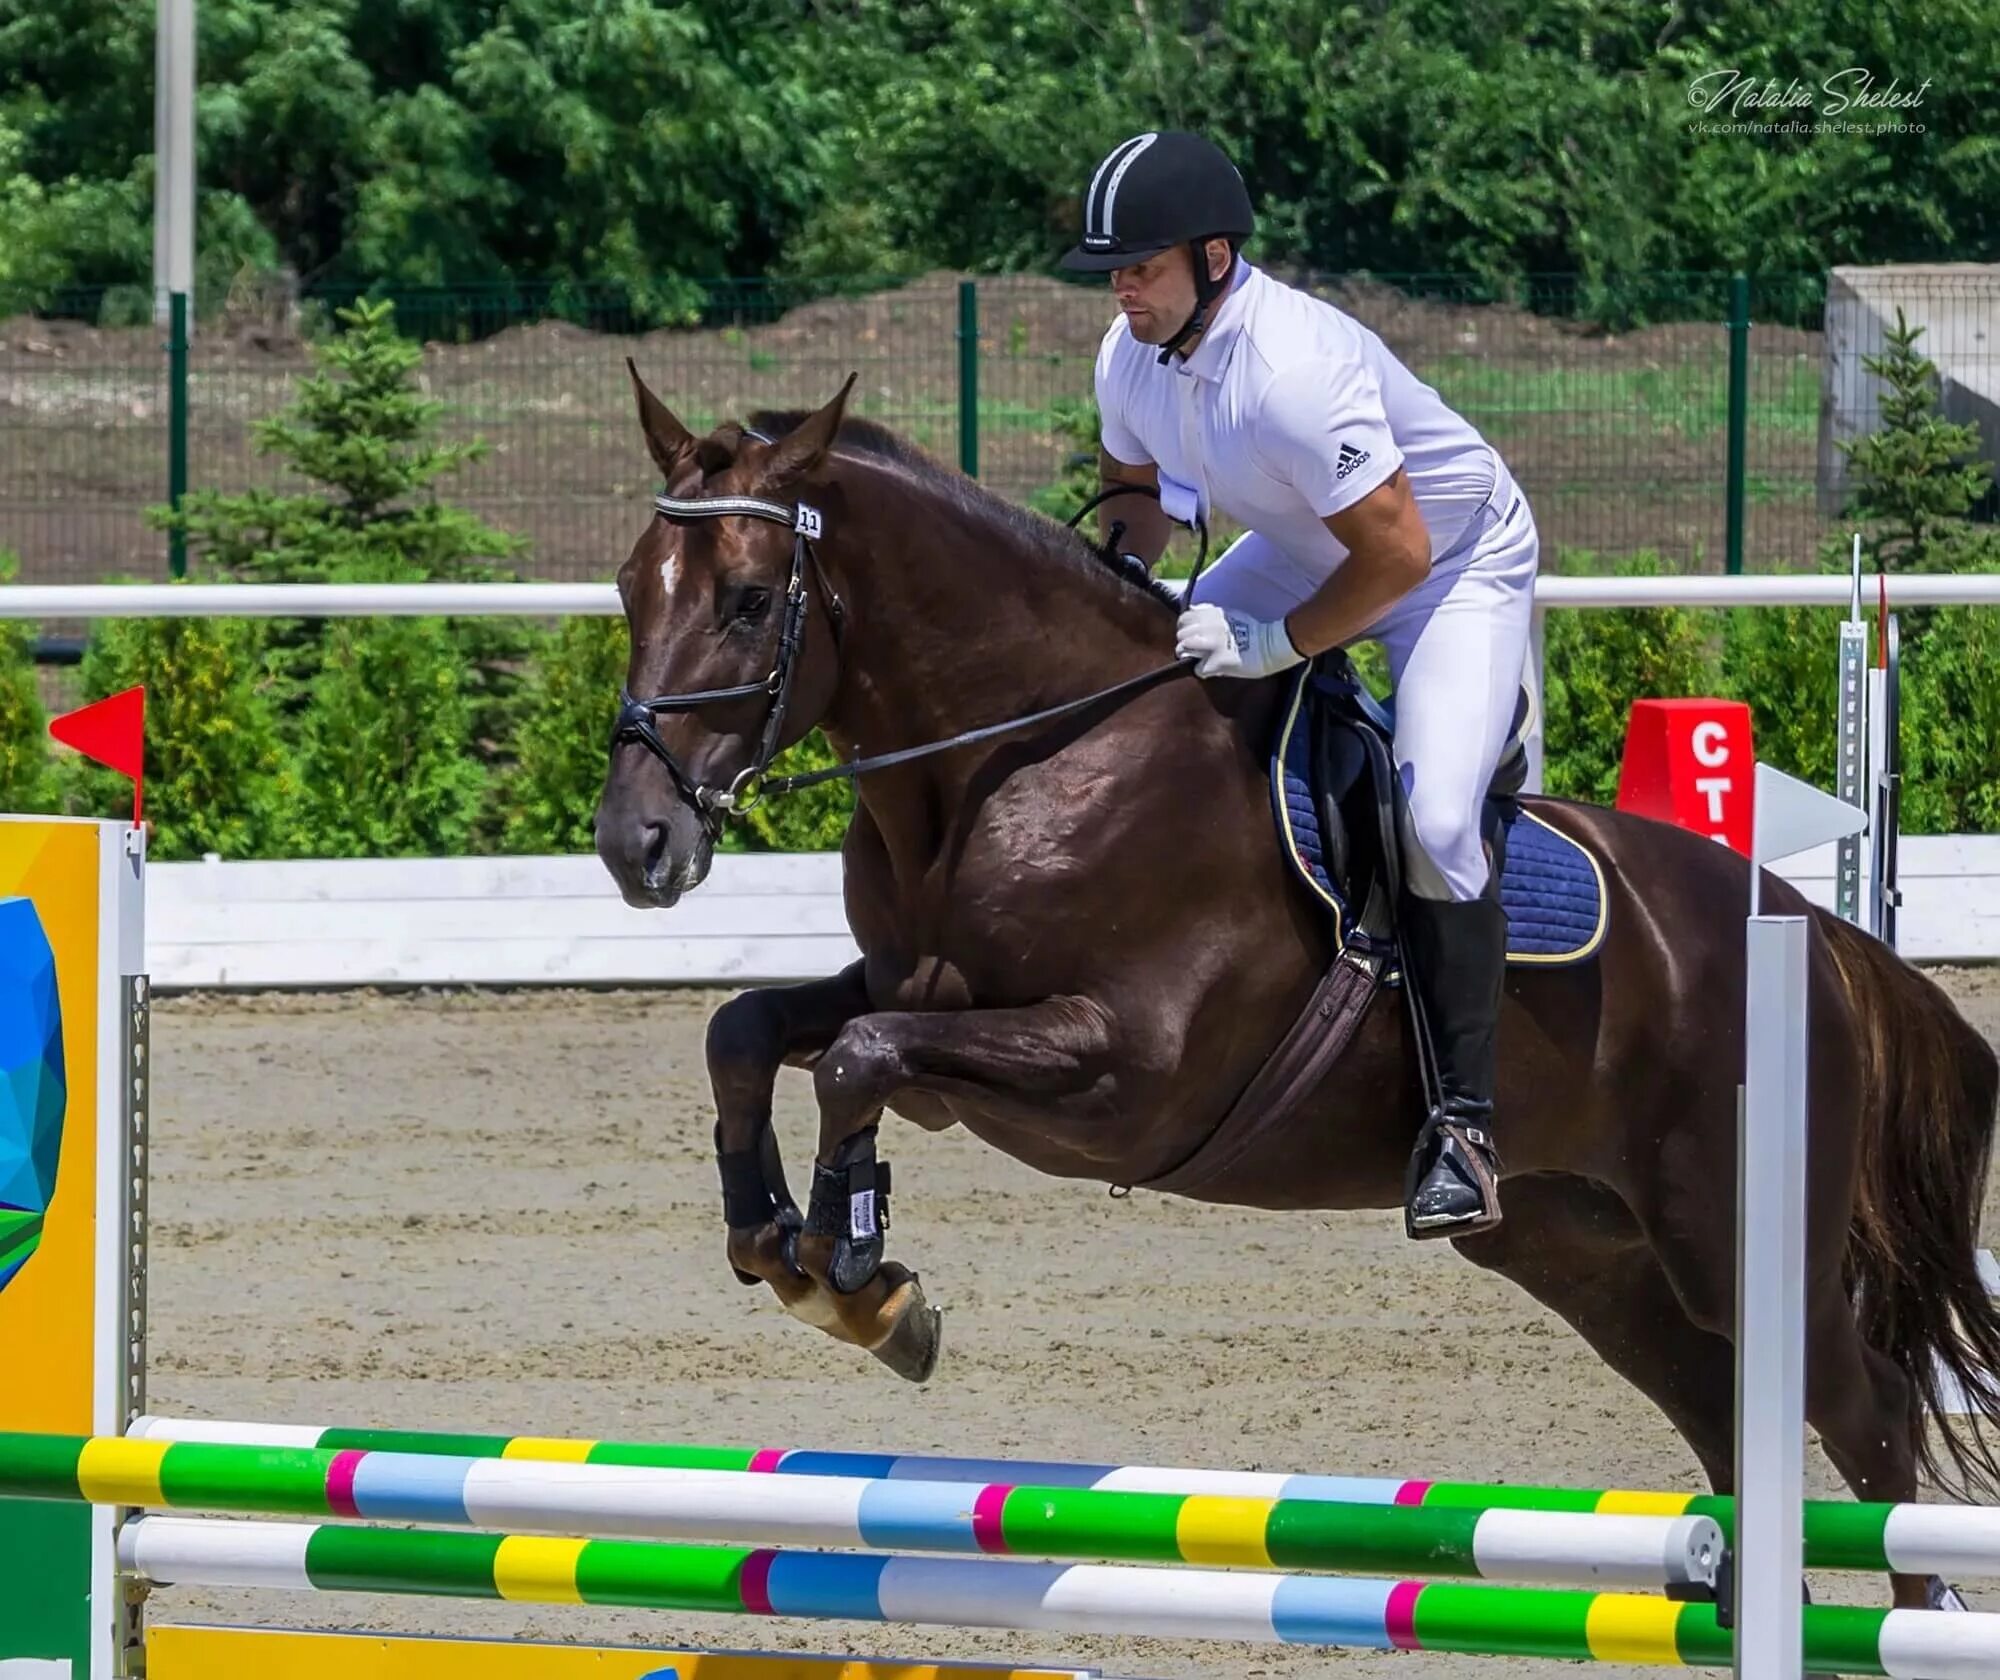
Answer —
1342 827
1339 809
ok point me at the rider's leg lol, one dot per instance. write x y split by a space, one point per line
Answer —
1457 649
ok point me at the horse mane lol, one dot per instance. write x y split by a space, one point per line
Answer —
870 438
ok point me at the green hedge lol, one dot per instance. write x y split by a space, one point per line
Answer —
382 760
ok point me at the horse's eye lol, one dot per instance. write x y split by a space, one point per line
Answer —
753 603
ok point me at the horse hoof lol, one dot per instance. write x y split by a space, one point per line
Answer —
1943 1595
913 1344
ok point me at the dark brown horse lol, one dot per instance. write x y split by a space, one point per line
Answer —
1080 942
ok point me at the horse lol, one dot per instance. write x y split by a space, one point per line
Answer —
1079 940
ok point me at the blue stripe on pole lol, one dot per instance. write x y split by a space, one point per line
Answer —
1349 1490
872 1466
831 1584
958 1593
412 1487
1327 1610
1011 1472
917 1517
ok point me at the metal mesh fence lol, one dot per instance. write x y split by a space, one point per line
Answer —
1620 437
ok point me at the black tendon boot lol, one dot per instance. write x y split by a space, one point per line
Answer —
1456 954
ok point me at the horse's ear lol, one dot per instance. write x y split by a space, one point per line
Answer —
667 439
805 446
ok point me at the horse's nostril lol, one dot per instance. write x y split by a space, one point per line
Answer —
654 838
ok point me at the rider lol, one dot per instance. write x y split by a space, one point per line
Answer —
1372 510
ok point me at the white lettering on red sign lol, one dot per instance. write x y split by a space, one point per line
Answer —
1714 787
1711 745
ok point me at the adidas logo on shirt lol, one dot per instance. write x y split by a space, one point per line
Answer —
1350 458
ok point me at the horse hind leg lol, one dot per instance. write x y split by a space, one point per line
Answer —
1857 1398
1868 1416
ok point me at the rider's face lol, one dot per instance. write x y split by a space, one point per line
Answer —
1157 295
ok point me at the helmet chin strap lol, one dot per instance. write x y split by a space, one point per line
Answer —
1206 291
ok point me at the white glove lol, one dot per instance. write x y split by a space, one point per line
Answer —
1233 644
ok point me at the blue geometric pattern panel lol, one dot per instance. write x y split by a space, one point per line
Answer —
33 1091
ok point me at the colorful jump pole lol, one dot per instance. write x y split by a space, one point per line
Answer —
1060 1598
668 1504
1838 1533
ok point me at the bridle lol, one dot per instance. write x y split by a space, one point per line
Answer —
751 785
715 800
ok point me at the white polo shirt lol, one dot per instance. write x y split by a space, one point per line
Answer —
1287 411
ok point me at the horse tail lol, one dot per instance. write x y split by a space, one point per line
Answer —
1930 1091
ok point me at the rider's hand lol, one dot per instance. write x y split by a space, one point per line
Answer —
1233 644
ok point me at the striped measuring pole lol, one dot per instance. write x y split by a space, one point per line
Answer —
664 1503
1839 1534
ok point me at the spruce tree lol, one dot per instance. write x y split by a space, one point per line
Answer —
1916 476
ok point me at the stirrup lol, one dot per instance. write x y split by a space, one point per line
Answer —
1474 1162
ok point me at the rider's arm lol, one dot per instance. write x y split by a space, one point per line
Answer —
1123 459
1388 555
1324 432
1147 528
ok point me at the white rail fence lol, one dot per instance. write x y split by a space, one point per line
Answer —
504 921
559 921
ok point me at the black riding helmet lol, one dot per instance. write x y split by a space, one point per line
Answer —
1155 191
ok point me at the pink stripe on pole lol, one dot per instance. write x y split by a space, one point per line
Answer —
988 1513
340 1482
1400 1620
767 1459
756 1583
1412 1493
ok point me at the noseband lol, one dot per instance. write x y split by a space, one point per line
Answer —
715 800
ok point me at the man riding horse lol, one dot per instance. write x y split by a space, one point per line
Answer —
1079 936
1373 510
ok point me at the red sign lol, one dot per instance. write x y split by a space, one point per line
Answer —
1690 762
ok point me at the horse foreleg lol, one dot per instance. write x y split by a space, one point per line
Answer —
1054 1052
749 1038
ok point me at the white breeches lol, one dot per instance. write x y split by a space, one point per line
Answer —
1457 647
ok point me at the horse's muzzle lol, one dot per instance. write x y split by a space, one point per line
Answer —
655 860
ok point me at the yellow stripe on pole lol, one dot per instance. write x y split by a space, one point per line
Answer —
1223 1529
535 1571
1631 1628
1617 1503
115 1472
544 1451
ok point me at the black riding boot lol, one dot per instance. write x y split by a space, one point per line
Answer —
1456 955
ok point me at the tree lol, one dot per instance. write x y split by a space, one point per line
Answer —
391 723
362 434
1917 476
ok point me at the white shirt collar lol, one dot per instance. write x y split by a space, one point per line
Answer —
1211 356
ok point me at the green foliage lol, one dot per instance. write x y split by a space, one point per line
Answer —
27 782
361 433
644 144
216 779
567 705
1785 662
1598 662
1917 475
1951 725
1077 426
384 764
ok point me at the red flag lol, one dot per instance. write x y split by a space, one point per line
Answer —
112 731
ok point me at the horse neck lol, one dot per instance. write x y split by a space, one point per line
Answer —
956 622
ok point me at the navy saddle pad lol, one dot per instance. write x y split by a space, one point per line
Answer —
1552 888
